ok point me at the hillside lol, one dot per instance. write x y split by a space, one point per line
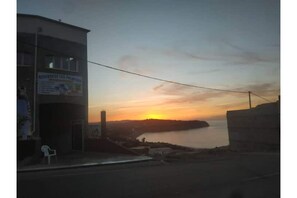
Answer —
134 128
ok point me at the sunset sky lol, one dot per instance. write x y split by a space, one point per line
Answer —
225 44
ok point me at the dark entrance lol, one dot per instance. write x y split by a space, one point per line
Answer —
77 127
57 128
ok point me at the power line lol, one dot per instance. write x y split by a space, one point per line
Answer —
272 90
147 76
138 74
164 80
261 97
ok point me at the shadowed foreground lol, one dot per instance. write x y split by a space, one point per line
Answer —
222 175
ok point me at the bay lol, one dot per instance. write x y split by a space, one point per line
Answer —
209 137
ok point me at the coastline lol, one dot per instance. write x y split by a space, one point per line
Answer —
135 128
215 135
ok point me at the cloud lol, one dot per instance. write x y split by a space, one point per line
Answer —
196 97
178 54
128 62
244 56
268 89
158 87
261 87
171 89
233 105
186 55
133 64
205 71
183 94
238 55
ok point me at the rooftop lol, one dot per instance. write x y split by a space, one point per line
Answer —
51 20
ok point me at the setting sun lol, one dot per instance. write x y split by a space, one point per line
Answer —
154 116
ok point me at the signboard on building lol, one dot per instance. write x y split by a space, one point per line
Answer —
59 84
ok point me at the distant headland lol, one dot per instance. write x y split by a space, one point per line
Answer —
134 128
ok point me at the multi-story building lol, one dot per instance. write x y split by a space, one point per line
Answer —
52 83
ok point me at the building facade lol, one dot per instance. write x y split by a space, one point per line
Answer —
52 83
255 129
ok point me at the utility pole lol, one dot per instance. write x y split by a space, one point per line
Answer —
250 102
39 30
103 124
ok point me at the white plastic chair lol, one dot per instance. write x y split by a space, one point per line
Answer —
48 152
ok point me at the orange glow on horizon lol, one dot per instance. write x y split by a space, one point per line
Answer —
141 110
170 114
154 116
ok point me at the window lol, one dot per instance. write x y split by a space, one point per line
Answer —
49 61
57 62
24 59
62 63
73 64
65 63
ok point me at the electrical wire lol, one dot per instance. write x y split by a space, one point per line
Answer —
147 76
164 80
138 74
261 97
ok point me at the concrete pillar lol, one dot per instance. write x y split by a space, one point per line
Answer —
250 101
103 124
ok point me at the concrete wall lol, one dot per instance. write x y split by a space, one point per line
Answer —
255 129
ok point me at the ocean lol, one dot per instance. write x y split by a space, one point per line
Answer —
210 137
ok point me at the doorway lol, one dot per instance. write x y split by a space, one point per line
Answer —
77 129
61 126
